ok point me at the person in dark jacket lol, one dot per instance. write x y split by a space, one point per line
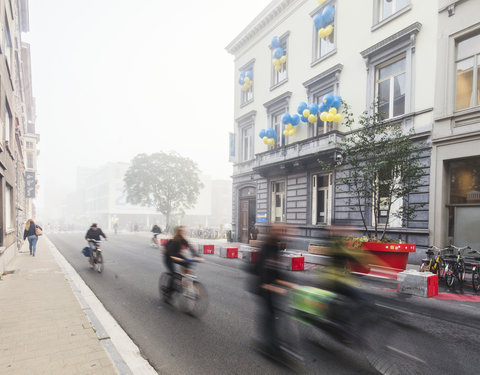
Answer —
156 230
30 232
93 234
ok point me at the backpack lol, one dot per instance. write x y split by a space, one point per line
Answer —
86 251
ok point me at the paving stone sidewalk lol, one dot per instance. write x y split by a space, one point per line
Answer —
43 329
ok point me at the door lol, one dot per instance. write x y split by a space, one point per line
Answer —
278 202
244 216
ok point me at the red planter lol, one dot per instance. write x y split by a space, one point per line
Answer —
209 249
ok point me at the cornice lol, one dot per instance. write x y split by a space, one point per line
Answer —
270 13
280 99
331 72
246 117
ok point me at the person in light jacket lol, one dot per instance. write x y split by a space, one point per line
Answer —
30 232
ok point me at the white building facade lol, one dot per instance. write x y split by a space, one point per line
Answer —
455 171
376 49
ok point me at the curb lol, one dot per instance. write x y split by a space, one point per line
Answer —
123 352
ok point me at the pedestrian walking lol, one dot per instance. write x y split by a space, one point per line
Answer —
32 231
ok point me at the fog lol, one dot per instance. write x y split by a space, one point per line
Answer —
114 78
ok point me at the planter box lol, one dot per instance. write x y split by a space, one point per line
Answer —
229 252
423 284
318 250
255 243
208 249
293 262
248 254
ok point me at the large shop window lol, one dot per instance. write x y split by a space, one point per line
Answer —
321 199
278 202
468 73
390 87
464 201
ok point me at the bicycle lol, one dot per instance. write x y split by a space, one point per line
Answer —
187 292
472 266
97 256
434 264
455 267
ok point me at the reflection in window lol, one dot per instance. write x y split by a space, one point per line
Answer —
386 8
468 73
390 87
464 181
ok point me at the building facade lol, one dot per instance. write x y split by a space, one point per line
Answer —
455 171
376 49
16 110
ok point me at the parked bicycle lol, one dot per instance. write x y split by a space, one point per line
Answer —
187 293
435 262
455 266
472 267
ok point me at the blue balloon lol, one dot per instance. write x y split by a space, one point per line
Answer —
328 100
328 14
274 134
323 108
278 52
286 119
262 133
270 132
318 20
249 74
313 108
337 101
295 119
301 107
241 80
275 42
304 119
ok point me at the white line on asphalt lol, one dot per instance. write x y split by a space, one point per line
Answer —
394 309
406 354
469 306
127 349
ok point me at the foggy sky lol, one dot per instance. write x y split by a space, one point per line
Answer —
114 78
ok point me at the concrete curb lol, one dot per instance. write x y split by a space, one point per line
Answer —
123 352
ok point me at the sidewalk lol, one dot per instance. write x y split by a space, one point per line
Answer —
43 329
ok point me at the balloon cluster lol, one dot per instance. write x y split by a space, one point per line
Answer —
268 136
328 108
323 21
279 54
309 113
290 122
246 79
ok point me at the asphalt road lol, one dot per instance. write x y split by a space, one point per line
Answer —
219 342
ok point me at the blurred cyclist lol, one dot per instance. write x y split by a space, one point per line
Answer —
93 234
174 254
156 230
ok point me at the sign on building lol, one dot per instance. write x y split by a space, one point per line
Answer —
231 153
30 184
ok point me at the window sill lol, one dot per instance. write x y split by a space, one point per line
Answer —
390 18
467 112
273 87
324 57
246 103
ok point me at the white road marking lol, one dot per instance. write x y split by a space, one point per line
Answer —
406 354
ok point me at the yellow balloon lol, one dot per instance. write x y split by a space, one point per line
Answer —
321 33
323 116
328 31
285 132
247 80
330 117
244 87
283 59
306 113
265 140
311 119
289 126
333 111
278 68
271 142
276 62
337 117
292 132
320 2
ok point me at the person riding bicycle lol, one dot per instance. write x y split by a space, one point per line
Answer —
156 230
174 254
93 234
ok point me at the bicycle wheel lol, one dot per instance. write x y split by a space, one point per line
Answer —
476 280
441 269
99 262
163 284
423 267
195 299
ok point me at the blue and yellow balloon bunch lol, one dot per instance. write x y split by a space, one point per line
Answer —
290 122
329 108
323 21
268 136
246 79
279 54
309 113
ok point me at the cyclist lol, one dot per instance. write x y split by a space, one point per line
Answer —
174 249
156 230
93 234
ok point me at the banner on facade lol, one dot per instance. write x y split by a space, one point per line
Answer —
231 154
30 184
261 218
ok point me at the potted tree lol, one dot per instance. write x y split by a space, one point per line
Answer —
381 167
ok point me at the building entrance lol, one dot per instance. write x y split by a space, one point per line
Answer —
247 212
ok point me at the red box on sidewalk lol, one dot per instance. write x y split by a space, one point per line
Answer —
432 286
294 263
209 249
232 252
163 241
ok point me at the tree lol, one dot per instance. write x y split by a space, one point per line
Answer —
381 168
166 181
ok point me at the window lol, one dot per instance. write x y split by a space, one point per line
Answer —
9 207
276 108
387 8
279 72
321 199
322 46
382 200
30 160
29 145
247 143
246 89
468 73
320 127
8 43
8 122
278 202
390 87
276 124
